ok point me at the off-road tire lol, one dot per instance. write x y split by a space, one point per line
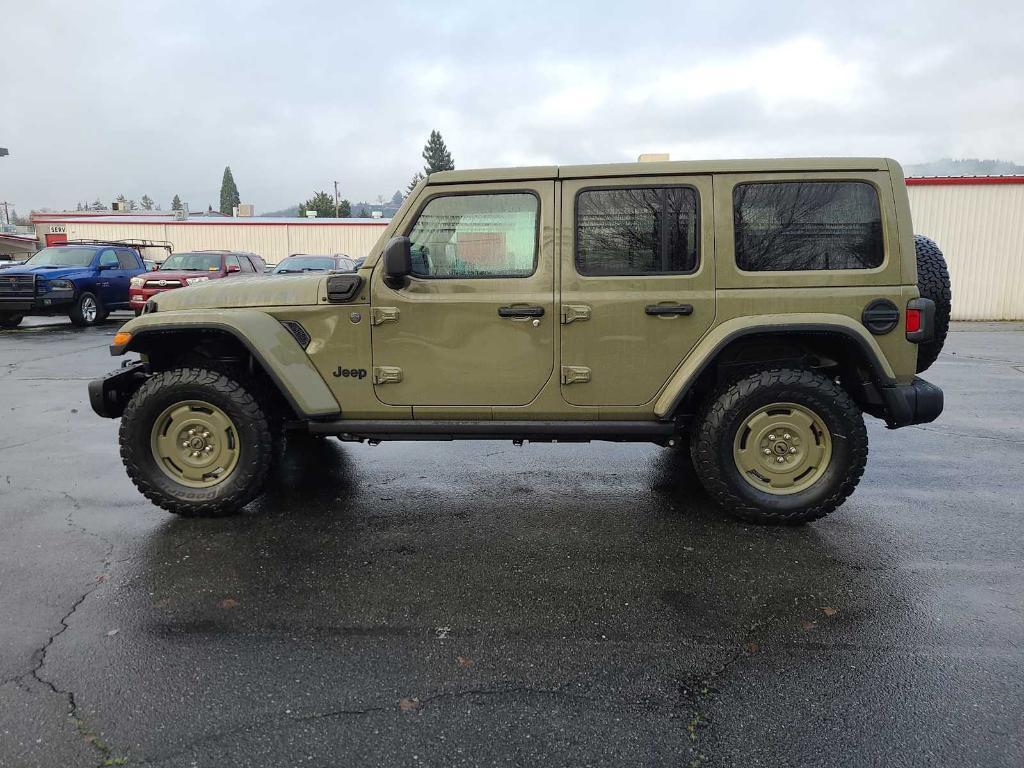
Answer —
78 315
10 320
255 439
933 283
725 412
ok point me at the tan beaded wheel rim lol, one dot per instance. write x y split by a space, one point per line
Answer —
783 448
195 444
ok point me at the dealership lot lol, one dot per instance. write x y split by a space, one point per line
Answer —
483 604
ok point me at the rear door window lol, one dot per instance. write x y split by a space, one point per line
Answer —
108 258
637 231
127 259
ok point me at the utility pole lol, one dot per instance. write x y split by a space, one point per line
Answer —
7 213
336 209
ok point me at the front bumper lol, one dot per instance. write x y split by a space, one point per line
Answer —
42 304
916 403
108 395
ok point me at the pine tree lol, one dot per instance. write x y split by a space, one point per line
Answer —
320 202
416 179
228 193
437 155
176 204
147 203
397 198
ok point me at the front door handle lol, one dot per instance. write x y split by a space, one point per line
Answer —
520 311
669 309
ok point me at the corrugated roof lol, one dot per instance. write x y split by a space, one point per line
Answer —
938 181
54 218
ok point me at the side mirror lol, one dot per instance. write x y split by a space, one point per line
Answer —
397 261
233 268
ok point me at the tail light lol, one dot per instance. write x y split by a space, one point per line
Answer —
913 320
919 319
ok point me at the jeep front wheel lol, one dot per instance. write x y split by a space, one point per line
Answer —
196 442
782 446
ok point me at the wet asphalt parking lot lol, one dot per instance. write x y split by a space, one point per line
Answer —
482 604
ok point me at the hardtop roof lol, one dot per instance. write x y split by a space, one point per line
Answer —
662 168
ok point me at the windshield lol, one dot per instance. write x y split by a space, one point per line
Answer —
306 264
62 257
193 262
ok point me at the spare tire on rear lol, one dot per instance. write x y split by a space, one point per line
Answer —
933 283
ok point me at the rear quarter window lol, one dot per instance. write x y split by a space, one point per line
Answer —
807 225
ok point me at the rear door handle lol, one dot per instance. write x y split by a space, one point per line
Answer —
520 311
669 309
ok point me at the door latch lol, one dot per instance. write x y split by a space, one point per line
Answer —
380 315
575 374
386 374
571 312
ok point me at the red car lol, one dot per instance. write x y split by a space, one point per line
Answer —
189 268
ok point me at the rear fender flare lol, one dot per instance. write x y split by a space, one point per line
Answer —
707 349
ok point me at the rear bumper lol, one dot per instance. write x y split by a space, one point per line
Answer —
108 395
916 403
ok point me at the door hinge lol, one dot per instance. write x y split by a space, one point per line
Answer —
575 374
386 374
572 312
380 315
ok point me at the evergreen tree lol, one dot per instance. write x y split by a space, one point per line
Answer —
228 193
97 205
397 198
416 179
176 204
323 204
147 203
437 155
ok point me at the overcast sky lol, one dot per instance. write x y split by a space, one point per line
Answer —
101 98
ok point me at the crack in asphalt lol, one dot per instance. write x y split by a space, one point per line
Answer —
13 366
90 737
950 433
415 706
697 690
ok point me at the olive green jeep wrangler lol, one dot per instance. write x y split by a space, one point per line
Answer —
745 313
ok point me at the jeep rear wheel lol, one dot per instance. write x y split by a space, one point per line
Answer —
10 320
86 310
196 442
782 446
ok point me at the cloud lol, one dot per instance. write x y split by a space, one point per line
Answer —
156 98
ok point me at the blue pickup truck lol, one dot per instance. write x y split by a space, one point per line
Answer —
83 279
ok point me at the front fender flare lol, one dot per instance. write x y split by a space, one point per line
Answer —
718 338
276 350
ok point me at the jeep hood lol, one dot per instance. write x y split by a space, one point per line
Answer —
243 292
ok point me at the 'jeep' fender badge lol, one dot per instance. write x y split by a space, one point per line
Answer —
349 373
355 317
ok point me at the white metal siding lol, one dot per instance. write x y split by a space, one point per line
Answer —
980 229
271 241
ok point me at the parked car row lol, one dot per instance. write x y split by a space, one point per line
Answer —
88 279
